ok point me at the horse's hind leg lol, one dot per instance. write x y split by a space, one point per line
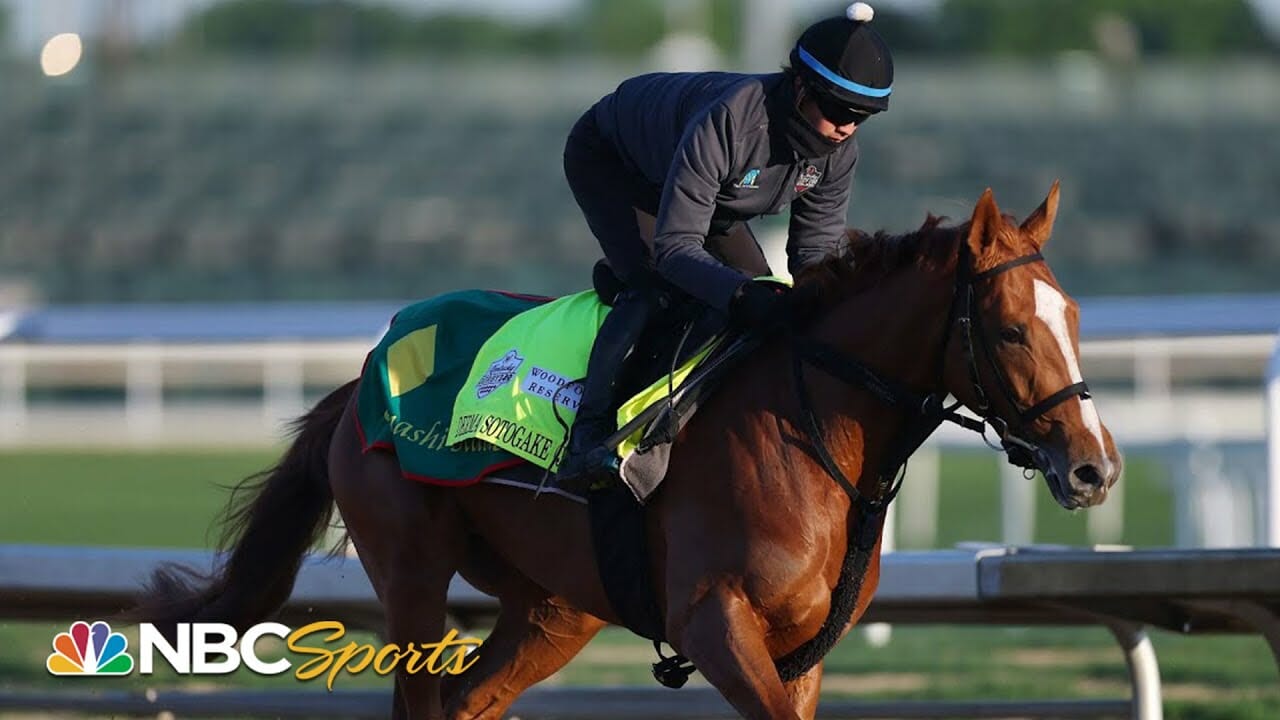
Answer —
409 539
535 636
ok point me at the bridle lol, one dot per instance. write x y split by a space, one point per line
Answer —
1022 452
927 412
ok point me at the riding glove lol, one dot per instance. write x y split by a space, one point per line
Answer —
760 305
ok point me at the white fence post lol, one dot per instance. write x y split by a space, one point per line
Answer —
1273 449
13 395
283 384
917 505
1017 506
144 391
1105 523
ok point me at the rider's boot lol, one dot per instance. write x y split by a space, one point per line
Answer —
586 457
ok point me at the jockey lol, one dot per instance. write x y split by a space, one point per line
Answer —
668 168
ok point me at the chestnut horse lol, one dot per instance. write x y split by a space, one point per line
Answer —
768 485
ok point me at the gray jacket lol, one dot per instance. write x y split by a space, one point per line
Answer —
715 145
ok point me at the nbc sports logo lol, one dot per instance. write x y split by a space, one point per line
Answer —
217 649
90 650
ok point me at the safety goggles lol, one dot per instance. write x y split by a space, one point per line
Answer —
837 112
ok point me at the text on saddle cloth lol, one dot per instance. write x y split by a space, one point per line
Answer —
522 393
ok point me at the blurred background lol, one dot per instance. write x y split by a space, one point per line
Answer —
209 210
190 150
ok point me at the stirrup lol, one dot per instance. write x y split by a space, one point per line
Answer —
674 671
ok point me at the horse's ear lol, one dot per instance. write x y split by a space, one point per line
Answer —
986 218
1039 225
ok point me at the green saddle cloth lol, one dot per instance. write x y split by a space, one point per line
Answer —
470 382
412 376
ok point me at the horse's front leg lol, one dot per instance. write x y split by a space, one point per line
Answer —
804 692
723 635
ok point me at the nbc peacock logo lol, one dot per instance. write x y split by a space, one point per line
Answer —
90 650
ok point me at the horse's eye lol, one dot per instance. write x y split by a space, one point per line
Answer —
1013 334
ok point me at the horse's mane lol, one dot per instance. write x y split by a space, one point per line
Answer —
865 260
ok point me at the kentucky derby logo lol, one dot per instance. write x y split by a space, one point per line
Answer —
749 180
499 373
808 179
89 650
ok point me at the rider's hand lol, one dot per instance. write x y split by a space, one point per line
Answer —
760 305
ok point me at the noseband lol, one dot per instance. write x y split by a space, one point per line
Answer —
927 412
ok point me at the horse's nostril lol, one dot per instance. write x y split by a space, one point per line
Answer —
1089 475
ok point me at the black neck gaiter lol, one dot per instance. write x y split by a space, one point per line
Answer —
805 139
800 136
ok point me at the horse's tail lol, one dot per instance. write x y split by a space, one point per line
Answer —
273 517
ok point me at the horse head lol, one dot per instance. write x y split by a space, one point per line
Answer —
1014 355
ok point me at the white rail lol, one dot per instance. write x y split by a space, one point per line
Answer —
1191 393
1168 400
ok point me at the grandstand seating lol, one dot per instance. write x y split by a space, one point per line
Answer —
277 183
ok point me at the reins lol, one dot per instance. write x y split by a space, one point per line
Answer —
926 412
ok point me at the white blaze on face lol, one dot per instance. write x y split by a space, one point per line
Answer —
1051 307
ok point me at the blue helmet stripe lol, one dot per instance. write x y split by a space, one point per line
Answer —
850 85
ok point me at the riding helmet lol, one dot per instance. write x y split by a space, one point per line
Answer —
846 61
